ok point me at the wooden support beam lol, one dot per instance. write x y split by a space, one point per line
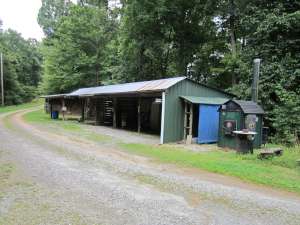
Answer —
63 109
139 115
50 110
82 110
115 112
86 108
185 121
188 122
191 120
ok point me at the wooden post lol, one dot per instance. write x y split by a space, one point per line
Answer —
98 111
83 109
188 123
191 121
114 112
87 103
63 108
139 115
50 108
185 120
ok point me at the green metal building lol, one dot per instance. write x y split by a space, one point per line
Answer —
168 107
174 108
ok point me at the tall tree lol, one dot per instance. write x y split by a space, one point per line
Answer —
22 67
159 38
271 32
97 3
50 13
74 57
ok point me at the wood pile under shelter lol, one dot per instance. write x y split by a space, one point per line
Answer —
160 107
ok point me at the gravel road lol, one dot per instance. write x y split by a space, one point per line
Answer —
74 181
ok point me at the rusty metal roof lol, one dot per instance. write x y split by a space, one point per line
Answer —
130 88
54 96
135 87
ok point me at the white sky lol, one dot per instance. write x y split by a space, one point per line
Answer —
21 15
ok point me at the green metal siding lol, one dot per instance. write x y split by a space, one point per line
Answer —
174 107
227 140
230 141
258 138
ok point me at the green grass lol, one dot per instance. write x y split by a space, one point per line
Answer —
40 117
6 109
280 172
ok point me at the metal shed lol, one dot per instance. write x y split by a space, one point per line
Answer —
240 115
159 103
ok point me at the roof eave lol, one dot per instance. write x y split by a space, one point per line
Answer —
123 93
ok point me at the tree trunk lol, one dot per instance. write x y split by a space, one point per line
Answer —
166 61
97 72
141 61
182 59
232 35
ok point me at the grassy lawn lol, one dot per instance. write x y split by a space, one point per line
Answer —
280 172
12 108
40 117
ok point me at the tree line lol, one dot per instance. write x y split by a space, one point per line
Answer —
21 66
98 42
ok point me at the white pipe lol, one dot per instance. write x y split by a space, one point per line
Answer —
162 128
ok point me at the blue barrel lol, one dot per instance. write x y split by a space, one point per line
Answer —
54 115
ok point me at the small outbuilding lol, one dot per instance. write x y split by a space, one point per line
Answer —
237 115
176 108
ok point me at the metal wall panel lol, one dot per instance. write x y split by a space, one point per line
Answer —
174 110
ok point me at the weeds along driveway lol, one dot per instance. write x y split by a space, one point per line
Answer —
72 180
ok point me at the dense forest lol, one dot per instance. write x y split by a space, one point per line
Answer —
21 65
97 42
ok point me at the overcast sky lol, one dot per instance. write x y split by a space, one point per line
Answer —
21 15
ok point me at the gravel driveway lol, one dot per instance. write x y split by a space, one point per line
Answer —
65 180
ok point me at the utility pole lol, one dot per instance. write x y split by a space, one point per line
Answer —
2 86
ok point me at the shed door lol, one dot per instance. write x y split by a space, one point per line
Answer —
208 124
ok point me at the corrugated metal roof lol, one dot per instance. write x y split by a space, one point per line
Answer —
249 107
205 100
136 87
54 96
